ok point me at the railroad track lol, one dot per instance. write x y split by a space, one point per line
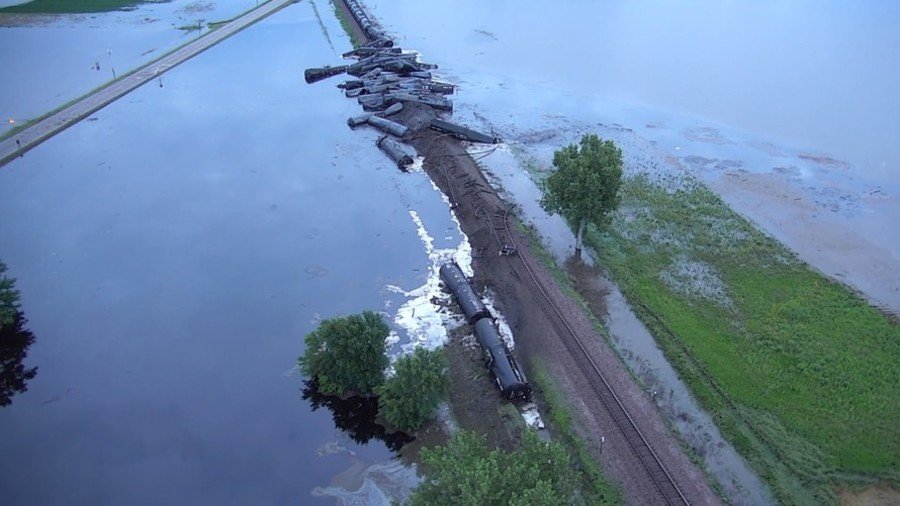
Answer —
666 486
497 221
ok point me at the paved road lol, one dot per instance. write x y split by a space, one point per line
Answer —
50 126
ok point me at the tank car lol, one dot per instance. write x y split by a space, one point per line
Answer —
468 301
507 374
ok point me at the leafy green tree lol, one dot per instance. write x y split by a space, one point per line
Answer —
9 298
409 398
347 354
585 186
466 472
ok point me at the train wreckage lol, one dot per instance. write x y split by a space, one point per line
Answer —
385 78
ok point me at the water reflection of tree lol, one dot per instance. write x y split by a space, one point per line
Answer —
355 416
14 342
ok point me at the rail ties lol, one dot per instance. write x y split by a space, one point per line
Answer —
639 445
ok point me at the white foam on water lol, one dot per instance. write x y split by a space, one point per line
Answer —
502 326
425 315
531 416
417 165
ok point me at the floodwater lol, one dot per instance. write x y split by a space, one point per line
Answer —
173 250
788 111
49 60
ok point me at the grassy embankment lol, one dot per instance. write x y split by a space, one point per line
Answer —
798 371
595 487
74 6
477 407
345 24
22 126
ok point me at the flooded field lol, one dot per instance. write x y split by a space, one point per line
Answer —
730 93
48 60
173 250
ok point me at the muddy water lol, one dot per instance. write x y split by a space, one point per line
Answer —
48 60
173 250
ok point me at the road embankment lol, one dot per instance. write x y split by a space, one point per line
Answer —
42 129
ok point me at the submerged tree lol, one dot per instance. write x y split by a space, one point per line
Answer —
347 355
14 342
409 398
9 298
585 186
467 472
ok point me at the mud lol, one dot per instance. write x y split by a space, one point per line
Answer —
876 495
836 235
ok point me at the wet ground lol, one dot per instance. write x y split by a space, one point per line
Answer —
173 250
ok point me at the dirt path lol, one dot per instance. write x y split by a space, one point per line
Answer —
16 145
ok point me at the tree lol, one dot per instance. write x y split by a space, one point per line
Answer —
14 342
347 354
9 298
585 186
409 398
467 472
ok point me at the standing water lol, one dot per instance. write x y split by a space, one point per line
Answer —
173 250
787 110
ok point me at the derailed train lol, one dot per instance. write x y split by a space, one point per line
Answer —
506 372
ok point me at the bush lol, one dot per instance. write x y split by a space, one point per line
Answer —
409 398
347 354
467 472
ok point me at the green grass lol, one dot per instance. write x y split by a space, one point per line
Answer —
75 6
799 372
596 488
345 24
565 284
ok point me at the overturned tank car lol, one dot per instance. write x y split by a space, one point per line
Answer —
506 372
468 301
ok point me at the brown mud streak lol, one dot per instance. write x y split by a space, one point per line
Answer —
458 176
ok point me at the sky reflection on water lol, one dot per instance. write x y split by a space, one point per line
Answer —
173 250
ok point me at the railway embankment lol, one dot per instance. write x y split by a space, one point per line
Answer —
20 141
797 370
618 423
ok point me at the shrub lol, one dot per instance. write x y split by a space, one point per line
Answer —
409 398
466 472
